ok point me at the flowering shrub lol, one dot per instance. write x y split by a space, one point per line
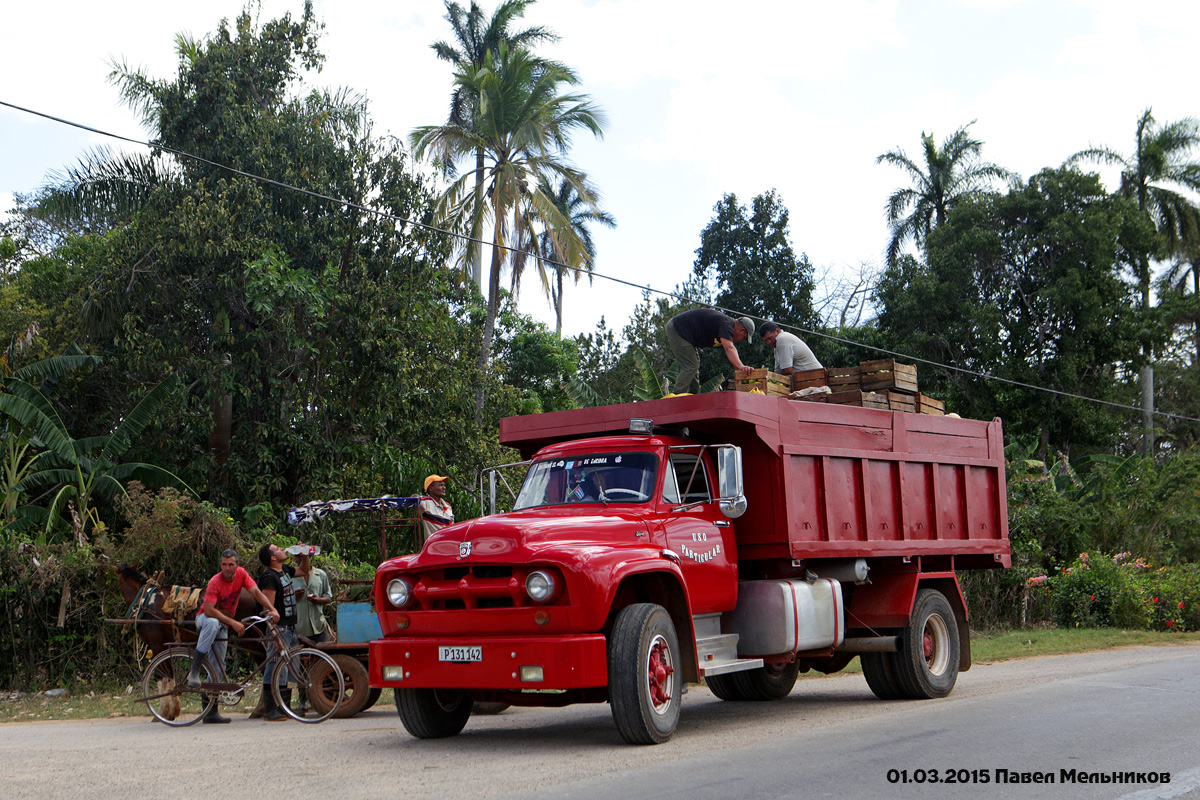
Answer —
1123 591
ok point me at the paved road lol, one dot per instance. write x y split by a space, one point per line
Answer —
1132 710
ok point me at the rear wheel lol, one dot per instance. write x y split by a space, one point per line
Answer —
724 687
433 713
315 672
645 688
880 671
927 664
169 698
768 682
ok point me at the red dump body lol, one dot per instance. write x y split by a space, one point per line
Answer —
828 481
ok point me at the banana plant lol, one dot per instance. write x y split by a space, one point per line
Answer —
67 473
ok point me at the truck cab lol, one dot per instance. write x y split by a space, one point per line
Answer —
637 558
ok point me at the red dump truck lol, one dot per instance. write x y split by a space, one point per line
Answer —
731 537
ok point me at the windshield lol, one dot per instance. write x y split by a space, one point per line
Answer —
599 478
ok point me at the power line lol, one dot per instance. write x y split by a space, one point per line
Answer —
647 288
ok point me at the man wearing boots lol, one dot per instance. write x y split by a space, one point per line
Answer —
275 581
216 618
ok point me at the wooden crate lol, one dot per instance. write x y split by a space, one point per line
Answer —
819 397
928 405
765 381
899 401
808 379
843 378
886 373
855 397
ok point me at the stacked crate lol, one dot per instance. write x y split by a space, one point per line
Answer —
882 383
764 381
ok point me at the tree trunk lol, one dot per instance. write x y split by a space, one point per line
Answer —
1147 373
477 261
558 303
489 325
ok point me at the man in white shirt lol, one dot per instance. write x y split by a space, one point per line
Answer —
791 353
436 513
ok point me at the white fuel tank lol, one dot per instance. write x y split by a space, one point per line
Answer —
774 617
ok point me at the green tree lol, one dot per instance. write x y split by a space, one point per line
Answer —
475 35
1027 286
1152 176
944 176
523 124
747 255
308 335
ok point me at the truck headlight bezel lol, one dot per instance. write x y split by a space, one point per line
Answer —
399 592
541 586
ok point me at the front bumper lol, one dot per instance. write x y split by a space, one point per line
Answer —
565 662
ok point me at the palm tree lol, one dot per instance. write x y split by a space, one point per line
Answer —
523 123
1160 160
475 36
948 174
580 214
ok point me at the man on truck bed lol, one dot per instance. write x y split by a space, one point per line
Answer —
791 353
705 327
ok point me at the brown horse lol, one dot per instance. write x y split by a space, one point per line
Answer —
153 633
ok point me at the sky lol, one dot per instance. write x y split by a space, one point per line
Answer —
703 98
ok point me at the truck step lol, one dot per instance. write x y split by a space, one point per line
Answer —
716 651
737 665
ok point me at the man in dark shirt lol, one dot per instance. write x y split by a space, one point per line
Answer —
275 582
705 327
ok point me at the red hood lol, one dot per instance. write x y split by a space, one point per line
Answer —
536 534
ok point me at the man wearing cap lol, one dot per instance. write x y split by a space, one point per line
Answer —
436 513
791 353
705 327
313 593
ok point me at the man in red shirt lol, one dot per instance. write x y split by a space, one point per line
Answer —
216 617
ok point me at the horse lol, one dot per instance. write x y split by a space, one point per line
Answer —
153 633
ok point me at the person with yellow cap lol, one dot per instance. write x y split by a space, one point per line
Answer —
436 513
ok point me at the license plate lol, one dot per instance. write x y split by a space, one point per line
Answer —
460 655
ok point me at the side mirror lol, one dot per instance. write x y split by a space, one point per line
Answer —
729 481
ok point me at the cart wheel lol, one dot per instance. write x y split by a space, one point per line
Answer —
357 690
169 698
314 671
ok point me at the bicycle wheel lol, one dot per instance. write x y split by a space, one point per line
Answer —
317 673
169 698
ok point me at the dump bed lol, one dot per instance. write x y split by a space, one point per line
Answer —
830 481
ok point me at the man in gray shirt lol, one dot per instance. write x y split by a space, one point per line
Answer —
791 353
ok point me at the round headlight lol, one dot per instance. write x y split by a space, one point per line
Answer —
540 586
399 592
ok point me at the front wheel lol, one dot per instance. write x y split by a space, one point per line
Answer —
169 698
927 664
433 713
314 671
645 687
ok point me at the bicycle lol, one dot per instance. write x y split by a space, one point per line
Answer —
172 702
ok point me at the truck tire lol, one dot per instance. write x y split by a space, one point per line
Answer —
880 671
645 688
768 682
927 663
724 687
433 713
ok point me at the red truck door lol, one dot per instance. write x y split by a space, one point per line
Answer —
695 529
